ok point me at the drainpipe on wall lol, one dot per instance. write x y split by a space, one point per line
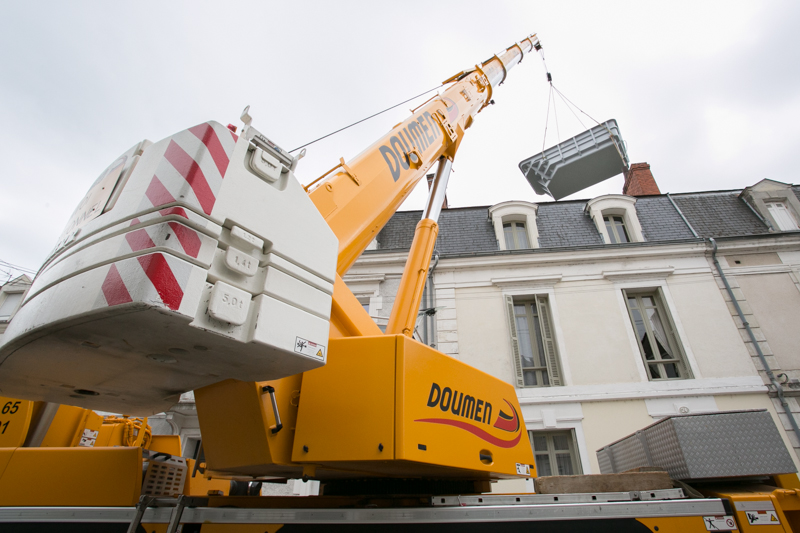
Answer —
761 357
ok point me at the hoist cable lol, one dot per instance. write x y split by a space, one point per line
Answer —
555 114
576 107
573 112
547 117
610 134
367 118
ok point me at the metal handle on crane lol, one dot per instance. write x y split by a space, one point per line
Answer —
278 426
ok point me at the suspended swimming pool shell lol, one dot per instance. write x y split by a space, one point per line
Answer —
577 163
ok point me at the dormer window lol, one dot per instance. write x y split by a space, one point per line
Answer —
614 215
516 236
515 225
615 227
775 202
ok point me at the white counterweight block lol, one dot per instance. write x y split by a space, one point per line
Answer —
192 260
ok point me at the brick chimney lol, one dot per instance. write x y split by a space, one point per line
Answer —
430 184
639 181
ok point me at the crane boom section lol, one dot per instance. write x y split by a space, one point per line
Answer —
361 197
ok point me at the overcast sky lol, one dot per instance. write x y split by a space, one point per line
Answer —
706 92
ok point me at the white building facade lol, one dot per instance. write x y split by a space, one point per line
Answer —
608 314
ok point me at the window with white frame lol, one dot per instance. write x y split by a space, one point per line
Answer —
516 236
9 305
782 216
515 225
615 217
658 343
555 453
533 343
615 227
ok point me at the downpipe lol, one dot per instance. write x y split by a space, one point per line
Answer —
775 383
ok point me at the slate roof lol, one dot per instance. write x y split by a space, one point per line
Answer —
461 230
468 230
566 224
660 220
719 214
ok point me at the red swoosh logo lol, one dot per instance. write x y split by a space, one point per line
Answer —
478 432
508 423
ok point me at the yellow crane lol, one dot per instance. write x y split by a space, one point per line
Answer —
200 263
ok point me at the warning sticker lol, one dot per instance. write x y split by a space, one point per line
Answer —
89 438
719 523
523 470
762 518
309 348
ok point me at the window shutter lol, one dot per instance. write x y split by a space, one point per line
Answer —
549 342
512 327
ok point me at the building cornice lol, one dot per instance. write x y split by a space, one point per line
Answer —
631 251
643 390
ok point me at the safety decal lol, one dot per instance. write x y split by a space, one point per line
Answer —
758 518
192 169
307 347
719 523
152 278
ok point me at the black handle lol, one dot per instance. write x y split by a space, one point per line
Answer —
271 390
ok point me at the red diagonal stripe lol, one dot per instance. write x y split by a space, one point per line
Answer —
114 289
191 172
177 211
139 240
206 133
235 137
134 222
188 238
478 432
157 193
160 274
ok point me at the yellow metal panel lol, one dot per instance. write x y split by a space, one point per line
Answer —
110 435
347 406
675 524
67 426
237 435
72 476
787 481
451 414
370 384
15 419
5 457
170 444
235 420
780 521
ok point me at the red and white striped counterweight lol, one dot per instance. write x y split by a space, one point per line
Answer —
192 260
